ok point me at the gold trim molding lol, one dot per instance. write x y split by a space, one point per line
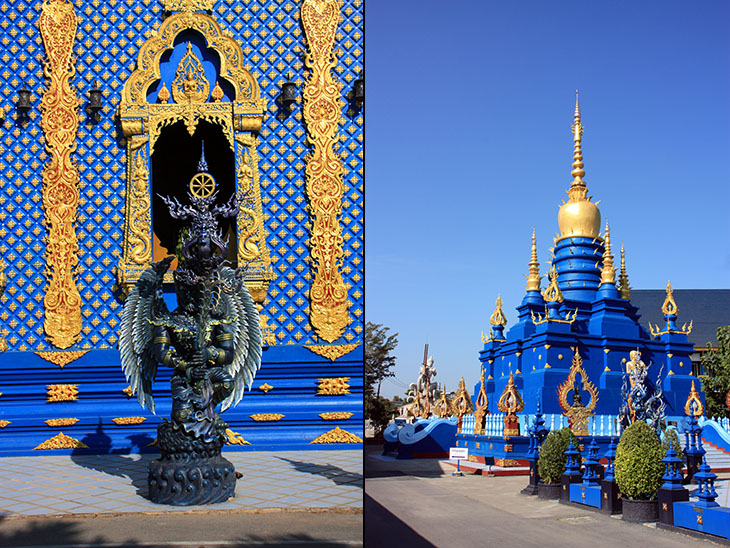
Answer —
62 392
267 417
336 415
54 423
61 358
60 121
337 435
61 441
322 107
337 386
121 421
187 5
239 119
332 352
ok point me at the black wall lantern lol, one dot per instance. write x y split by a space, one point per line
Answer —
95 104
358 90
23 104
288 92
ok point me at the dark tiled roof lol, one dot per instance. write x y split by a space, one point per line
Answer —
707 308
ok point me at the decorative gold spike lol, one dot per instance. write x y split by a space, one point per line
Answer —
497 317
669 306
533 278
608 272
694 397
552 293
578 190
623 277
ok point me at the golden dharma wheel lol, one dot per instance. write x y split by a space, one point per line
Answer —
202 185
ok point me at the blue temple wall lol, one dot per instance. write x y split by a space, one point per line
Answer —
109 36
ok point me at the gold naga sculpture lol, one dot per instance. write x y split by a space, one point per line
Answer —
510 403
461 404
480 413
577 413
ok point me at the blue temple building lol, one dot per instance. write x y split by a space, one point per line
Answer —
104 106
586 305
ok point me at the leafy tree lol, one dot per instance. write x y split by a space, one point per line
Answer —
638 464
378 358
379 410
716 382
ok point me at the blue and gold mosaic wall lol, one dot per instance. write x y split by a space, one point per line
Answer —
108 39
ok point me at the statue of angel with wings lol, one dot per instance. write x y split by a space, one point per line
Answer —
212 341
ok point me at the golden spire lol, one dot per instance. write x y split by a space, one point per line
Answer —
608 272
669 306
553 293
578 216
533 279
578 190
497 317
623 277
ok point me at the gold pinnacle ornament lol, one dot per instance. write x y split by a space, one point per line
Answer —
608 272
623 277
533 278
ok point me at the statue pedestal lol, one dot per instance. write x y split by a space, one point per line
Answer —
511 425
189 471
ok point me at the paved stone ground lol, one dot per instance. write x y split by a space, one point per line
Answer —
98 484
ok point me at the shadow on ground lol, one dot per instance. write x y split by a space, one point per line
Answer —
378 466
101 457
329 471
41 532
382 528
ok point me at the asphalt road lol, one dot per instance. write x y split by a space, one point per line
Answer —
330 529
419 504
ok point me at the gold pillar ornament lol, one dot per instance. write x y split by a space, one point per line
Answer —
608 272
510 403
552 293
578 216
461 404
441 408
533 278
480 412
623 277
694 403
329 314
577 412
60 122
669 306
498 317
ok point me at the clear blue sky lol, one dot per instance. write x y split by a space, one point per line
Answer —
468 146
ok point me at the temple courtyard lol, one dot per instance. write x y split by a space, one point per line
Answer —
284 498
419 504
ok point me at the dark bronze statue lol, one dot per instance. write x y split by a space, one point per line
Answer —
212 341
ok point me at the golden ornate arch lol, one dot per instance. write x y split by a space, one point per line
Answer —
240 120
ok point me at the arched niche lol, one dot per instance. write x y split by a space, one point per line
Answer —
191 74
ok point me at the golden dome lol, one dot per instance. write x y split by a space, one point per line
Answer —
578 216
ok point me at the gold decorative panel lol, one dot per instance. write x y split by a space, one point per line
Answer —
62 441
128 420
187 5
267 417
60 122
62 392
335 415
333 351
337 435
234 438
54 423
265 388
322 107
62 358
333 387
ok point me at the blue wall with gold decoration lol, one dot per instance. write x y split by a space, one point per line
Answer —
308 372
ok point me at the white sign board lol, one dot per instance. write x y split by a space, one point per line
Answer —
458 453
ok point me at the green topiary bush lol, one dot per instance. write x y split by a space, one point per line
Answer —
676 445
551 462
638 464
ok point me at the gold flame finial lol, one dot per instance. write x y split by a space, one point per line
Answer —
669 306
552 293
497 317
623 277
578 216
533 278
694 398
608 272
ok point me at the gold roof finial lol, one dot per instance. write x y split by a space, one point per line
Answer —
497 317
578 216
533 278
608 272
623 277
669 306
553 293
694 397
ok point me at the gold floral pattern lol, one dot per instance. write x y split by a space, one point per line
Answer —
331 351
62 392
128 420
337 435
333 387
267 417
61 441
335 415
62 358
54 423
